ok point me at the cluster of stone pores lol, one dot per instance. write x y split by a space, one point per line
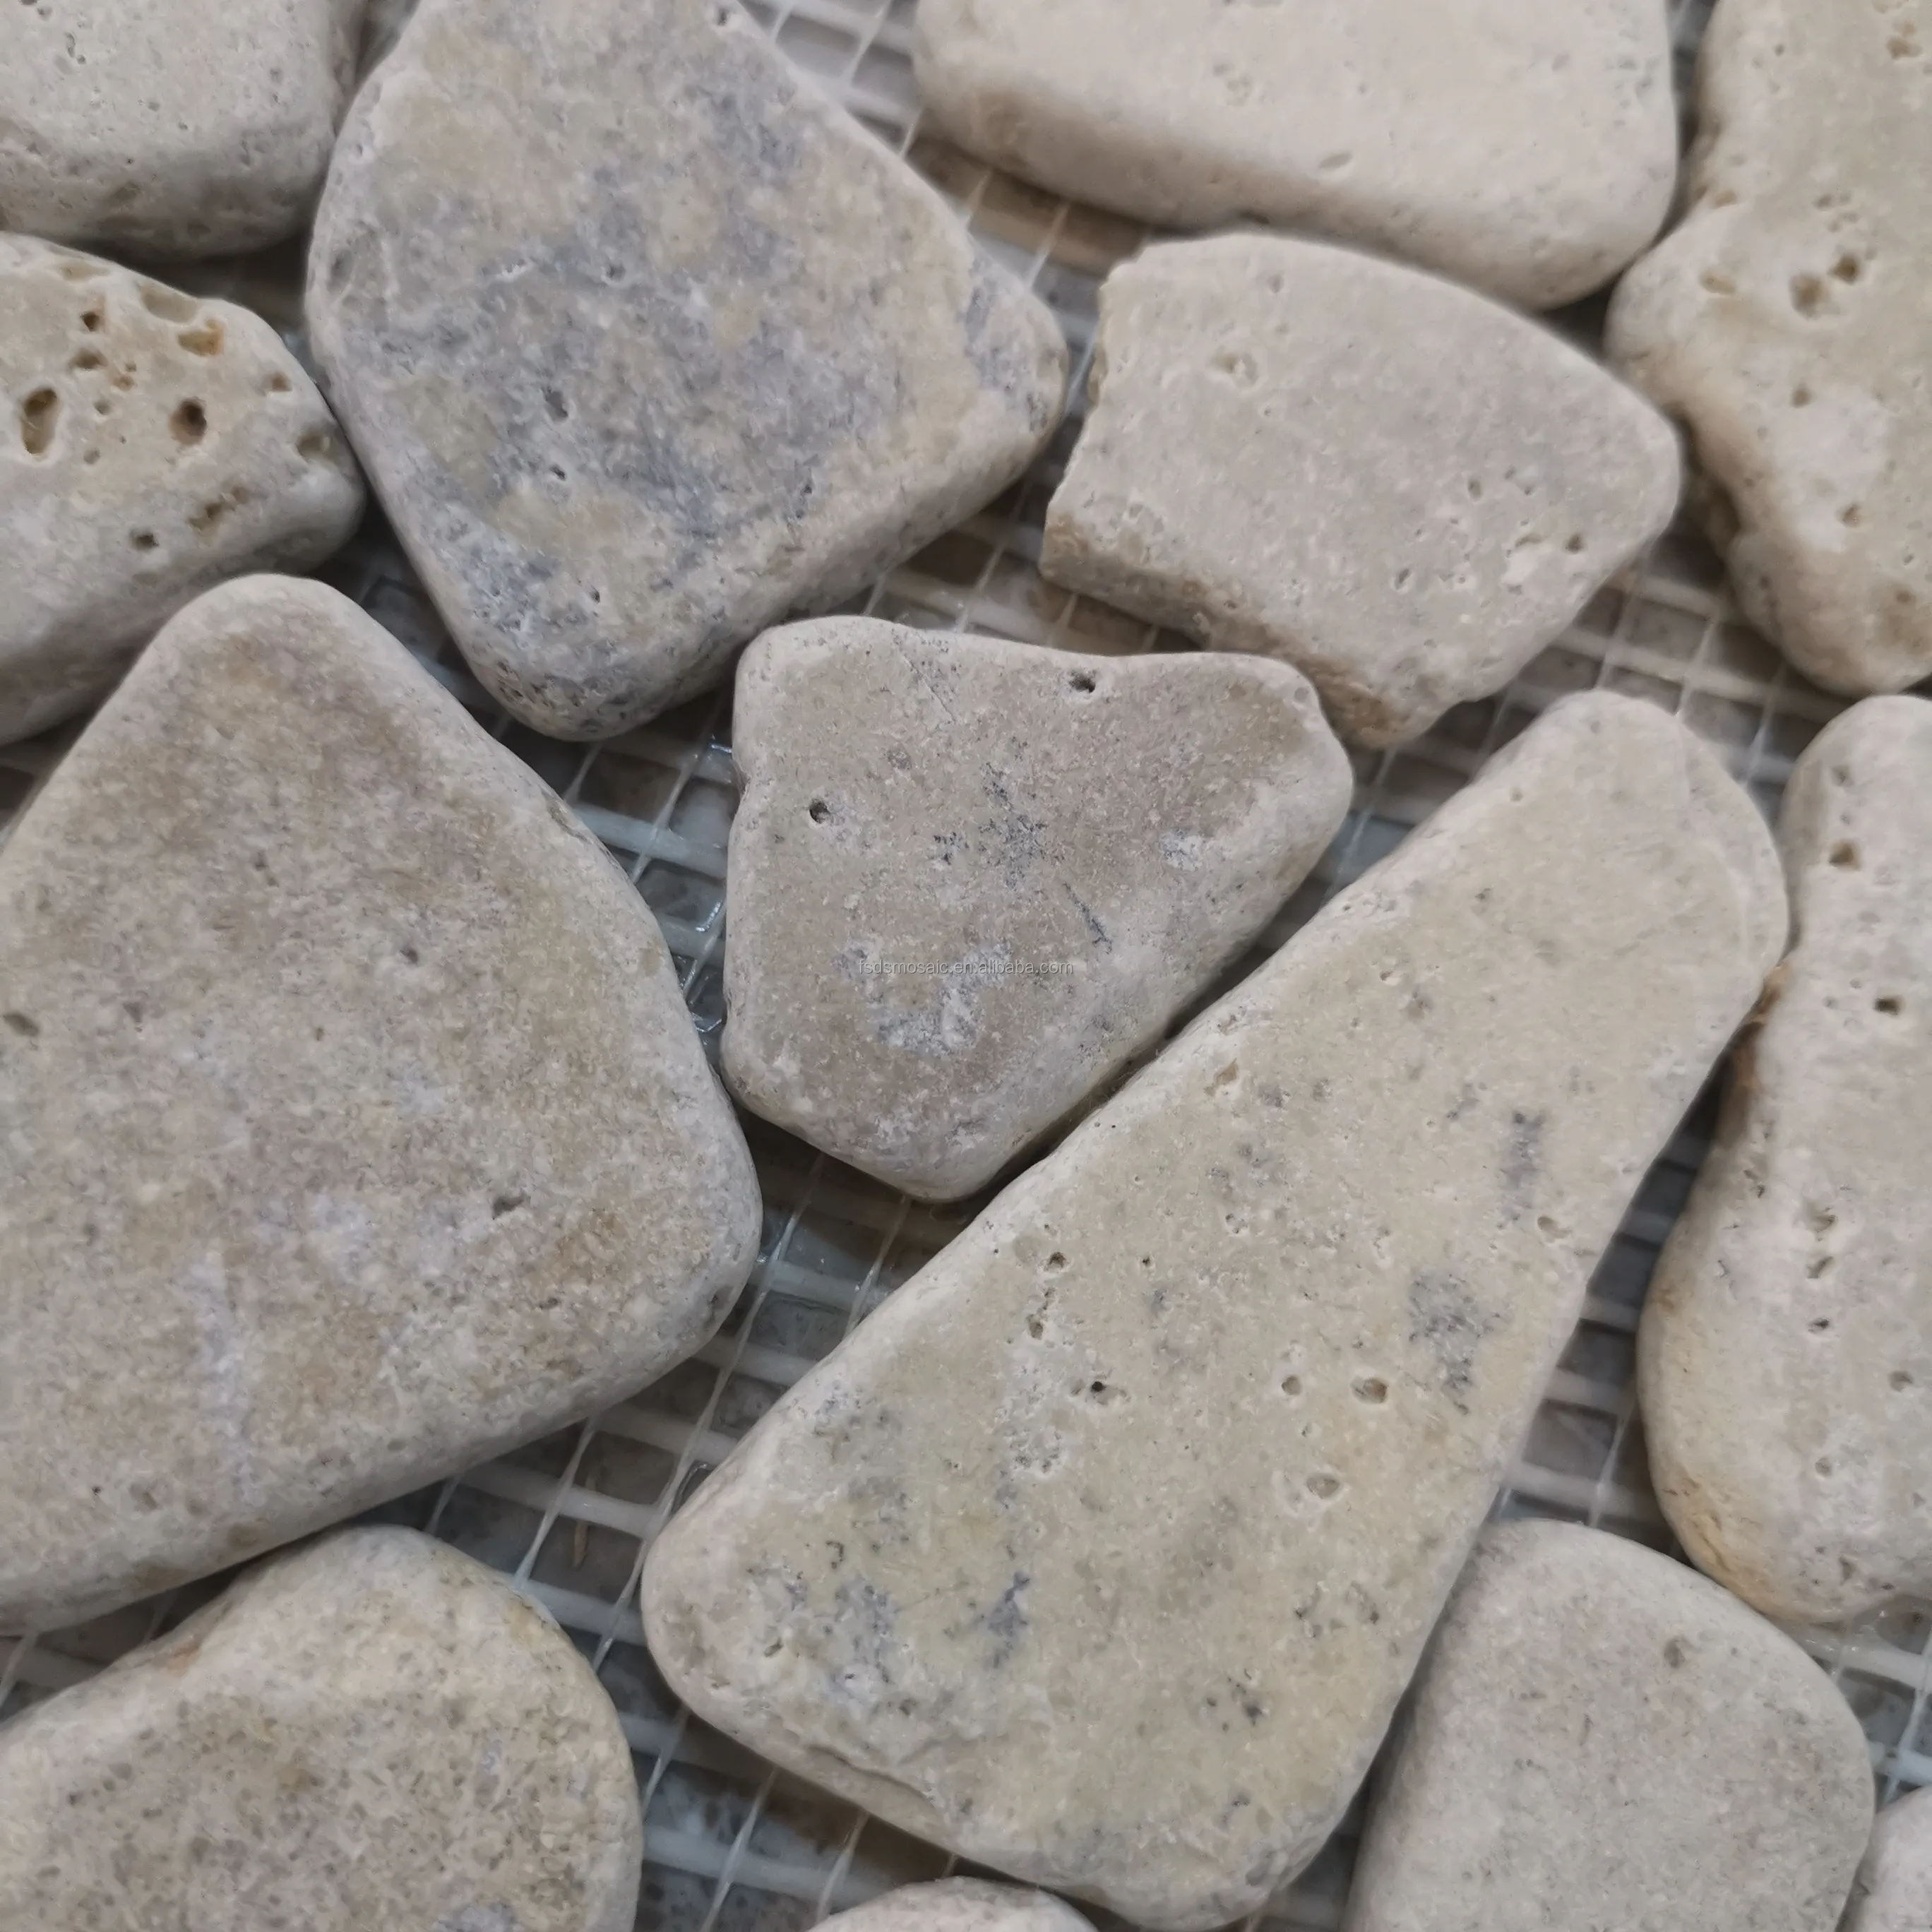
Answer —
355 1130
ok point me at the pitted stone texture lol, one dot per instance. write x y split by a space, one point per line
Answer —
154 444
1599 1737
170 127
645 343
1786 1350
1102 1552
1526 149
1786 321
356 1129
1893 1892
961 1905
1399 487
373 1732
970 879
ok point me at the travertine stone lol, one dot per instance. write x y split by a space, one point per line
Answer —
374 1732
1600 1738
1787 322
170 127
962 1905
1893 1892
1526 148
1785 1350
153 444
969 879
355 1128
645 343
1103 1552
1399 487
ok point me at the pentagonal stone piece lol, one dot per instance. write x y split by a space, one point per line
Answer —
1601 1737
1399 487
1786 321
1785 1350
373 1732
1526 148
170 127
969 878
356 1129
645 343
1893 1891
154 444
961 1905
1103 1552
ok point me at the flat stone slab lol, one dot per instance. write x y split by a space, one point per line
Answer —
356 1128
1893 1892
646 343
1601 1737
1102 1552
373 1731
1530 151
1399 487
1786 1349
158 444
171 127
970 879
961 1905
1785 323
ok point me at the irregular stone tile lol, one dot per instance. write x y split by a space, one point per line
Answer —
171 127
1526 149
1101 1554
357 1130
157 444
1893 1892
961 1905
373 1731
1599 1737
1400 487
1785 1350
645 343
970 879
1785 321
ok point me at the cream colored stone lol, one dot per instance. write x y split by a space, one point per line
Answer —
1103 1552
154 444
1787 322
373 1732
1893 1892
647 342
961 1905
1786 1350
1399 487
970 879
1600 1738
1526 148
354 1128
170 127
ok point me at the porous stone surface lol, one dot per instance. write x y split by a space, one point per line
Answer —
1599 1737
1893 1891
1527 149
170 127
961 1905
1786 321
154 445
356 1129
374 1731
1398 486
1786 1349
647 342
969 879
1102 1552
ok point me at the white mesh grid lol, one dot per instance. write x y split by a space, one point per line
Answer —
730 1843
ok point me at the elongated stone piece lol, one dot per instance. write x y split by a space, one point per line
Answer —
1528 149
1103 1552
355 1128
1599 1737
969 879
1893 1892
645 343
373 1732
158 444
961 1905
1786 1349
1786 321
1400 487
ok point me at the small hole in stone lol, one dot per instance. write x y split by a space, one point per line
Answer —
818 811
206 338
1801 397
1901 1379
1674 1653
1575 545
1371 1389
1851 516
1808 294
558 409
170 305
1845 856
1716 284
1822 1326
1081 681
1889 1003
1475 486
19 1023
1546 1227
1096 1388
91 319
38 415
1324 1486
411 956
1291 1385
1846 268
316 446
143 539
189 423
1146 1261
278 384
92 456
506 1204
1823 1465
1055 1262
85 358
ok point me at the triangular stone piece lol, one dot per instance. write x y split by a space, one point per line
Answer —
645 343
355 1127
969 879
